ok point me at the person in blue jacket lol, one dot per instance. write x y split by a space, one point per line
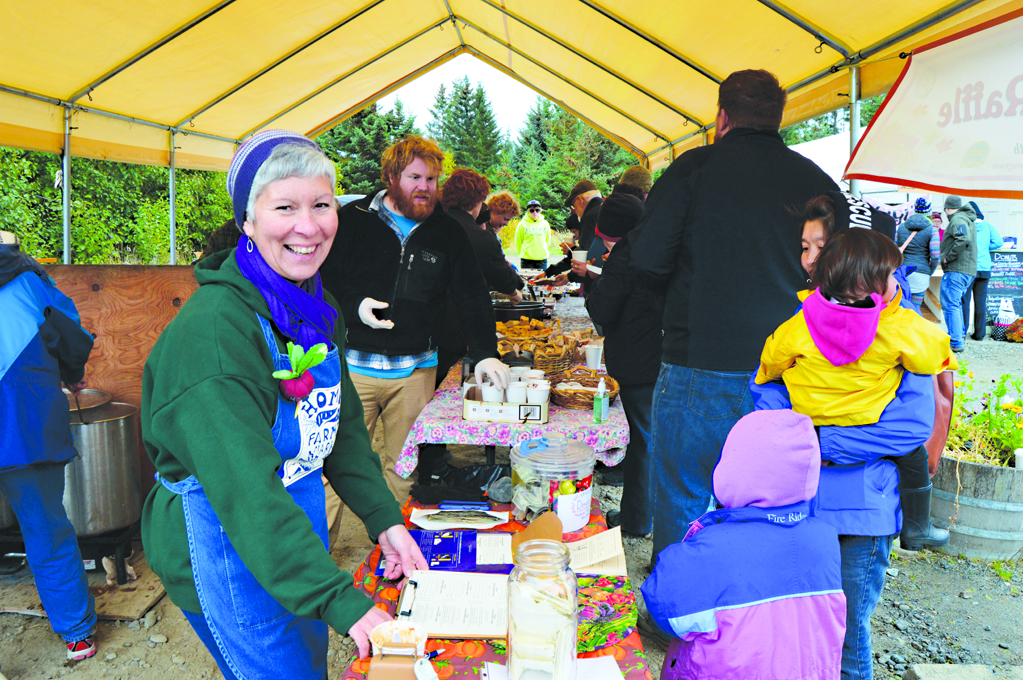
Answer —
988 239
41 345
860 498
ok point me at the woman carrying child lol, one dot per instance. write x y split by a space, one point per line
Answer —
859 495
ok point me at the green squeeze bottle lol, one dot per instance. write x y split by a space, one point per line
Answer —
600 403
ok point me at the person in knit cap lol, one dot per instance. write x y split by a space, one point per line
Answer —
533 237
754 590
630 315
245 400
920 243
637 176
959 266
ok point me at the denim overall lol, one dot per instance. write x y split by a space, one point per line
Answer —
254 636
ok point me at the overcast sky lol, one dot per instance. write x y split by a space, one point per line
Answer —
510 99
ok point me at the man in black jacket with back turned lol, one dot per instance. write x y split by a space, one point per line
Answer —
718 240
394 260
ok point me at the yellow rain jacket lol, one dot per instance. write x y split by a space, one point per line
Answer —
843 364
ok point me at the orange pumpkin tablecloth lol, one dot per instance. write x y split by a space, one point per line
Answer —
463 659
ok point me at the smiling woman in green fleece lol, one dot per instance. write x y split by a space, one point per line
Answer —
244 402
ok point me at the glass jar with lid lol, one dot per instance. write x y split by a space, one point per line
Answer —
543 612
553 473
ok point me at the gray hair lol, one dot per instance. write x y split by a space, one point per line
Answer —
289 160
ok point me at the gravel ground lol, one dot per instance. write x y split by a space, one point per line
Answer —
935 608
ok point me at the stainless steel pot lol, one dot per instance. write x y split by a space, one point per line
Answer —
506 311
7 518
101 487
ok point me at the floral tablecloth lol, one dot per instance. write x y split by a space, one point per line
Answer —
441 421
607 618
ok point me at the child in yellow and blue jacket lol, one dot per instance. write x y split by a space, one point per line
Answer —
842 356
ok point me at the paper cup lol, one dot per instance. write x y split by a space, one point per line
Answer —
519 370
491 393
579 255
534 374
516 393
538 394
593 353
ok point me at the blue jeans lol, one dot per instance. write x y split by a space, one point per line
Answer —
953 287
36 493
864 561
978 291
636 517
693 411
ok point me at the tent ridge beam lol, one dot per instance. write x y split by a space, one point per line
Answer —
259 74
63 103
348 113
352 72
565 80
504 69
592 62
135 58
652 40
802 23
454 22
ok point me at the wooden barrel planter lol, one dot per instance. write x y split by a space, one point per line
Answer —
987 504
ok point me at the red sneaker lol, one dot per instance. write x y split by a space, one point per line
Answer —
83 649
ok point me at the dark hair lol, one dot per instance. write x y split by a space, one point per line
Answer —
818 209
752 99
855 263
464 189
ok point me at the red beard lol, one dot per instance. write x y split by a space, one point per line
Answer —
406 206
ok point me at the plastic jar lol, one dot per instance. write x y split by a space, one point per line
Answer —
543 612
553 473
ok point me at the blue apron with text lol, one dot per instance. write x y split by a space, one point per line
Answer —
257 637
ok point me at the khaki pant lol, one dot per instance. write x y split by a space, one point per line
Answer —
335 510
396 404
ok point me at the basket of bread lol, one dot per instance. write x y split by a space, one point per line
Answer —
576 387
526 329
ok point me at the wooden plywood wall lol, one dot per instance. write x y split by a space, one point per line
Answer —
126 308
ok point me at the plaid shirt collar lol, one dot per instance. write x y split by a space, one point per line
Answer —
377 206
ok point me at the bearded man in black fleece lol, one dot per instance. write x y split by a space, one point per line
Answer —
717 238
396 257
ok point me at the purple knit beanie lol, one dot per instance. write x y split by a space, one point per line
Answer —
246 163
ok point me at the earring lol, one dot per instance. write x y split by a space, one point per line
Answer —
248 245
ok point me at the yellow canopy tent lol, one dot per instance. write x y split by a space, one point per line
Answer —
179 84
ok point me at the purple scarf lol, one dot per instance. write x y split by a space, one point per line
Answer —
300 313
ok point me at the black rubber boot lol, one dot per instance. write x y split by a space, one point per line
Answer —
917 531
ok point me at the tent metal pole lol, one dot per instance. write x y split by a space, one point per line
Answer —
65 185
173 206
854 121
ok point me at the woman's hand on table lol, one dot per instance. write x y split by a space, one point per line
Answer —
361 629
400 552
